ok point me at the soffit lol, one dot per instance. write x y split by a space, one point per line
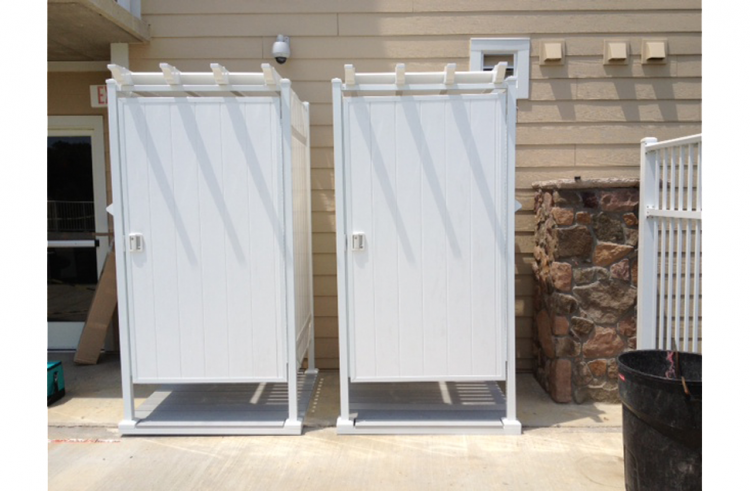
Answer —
82 30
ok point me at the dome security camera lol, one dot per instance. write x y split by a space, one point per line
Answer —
281 50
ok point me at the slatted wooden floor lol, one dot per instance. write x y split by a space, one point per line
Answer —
201 409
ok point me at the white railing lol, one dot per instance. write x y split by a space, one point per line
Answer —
132 6
669 255
70 216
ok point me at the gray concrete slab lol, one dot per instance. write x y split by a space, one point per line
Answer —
563 447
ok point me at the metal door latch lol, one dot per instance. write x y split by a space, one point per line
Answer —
135 242
358 241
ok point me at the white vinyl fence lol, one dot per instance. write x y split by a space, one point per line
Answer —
669 257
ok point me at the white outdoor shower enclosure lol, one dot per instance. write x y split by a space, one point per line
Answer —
425 204
211 204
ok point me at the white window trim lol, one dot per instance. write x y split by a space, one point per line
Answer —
520 48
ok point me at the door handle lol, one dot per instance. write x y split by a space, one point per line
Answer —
358 241
135 242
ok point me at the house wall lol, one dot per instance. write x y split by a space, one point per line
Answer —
582 118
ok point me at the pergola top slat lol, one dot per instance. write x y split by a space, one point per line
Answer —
219 79
446 80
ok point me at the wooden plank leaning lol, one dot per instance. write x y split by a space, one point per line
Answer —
100 315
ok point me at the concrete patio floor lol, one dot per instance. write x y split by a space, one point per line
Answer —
563 447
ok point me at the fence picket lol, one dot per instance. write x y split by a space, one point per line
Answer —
670 284
686 319
697 285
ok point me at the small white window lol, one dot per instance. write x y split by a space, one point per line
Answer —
488 52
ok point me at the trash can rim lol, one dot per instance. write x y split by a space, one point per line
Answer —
623 366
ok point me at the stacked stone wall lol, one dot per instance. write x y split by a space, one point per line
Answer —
586 278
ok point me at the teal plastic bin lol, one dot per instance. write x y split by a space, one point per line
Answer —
55 382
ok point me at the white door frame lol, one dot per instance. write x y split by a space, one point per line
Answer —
65 335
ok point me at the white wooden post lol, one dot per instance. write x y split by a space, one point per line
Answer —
118 208
511 419
341 244
286 175
311 346
648 235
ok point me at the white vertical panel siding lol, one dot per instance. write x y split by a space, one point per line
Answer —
302 226
383 244
266 234
438 237
204 192
234 179
206 144
189 287
424 177
162 244
236 237
409 261
136 147
457 262
358 148
480 137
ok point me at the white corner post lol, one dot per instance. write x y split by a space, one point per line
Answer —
344 419
311 346
648 235
129 419
510 422
286 175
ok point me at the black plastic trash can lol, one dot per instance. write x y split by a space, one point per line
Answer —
661 419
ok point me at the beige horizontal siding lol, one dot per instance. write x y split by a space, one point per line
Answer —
324 242
627 89
357 48
171 7
321 158
550 5
541 23
583 118
582 67
609 112
219 25
602 133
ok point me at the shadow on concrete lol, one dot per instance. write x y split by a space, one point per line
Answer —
96 389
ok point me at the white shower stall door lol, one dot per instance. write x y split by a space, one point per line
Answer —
426 194
206 285
425 203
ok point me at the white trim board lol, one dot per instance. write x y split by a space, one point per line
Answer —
520 48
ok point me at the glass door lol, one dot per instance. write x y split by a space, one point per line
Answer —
77 243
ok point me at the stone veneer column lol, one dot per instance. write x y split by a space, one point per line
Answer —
586 276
